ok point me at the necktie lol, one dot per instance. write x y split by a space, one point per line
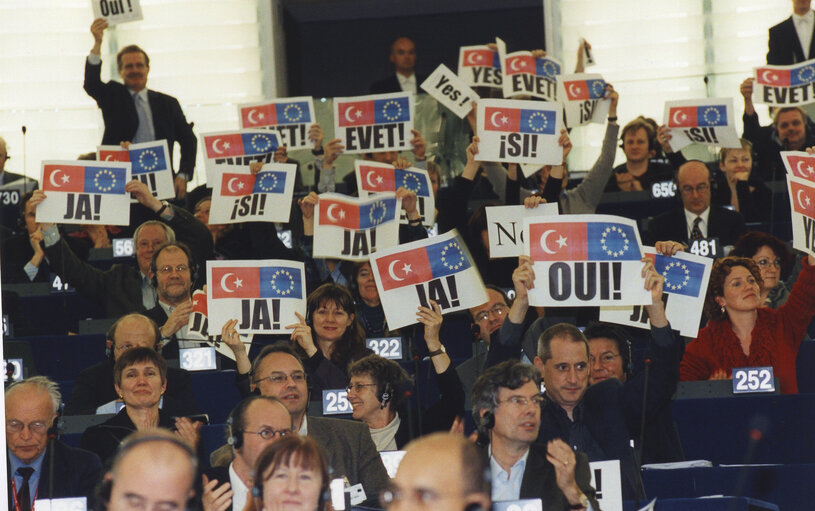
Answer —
144 131
24 494
696 232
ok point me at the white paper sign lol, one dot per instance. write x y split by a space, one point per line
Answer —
450 90
198 328
525 75
63 504
262 295
373 178
240 147
785 85
117 11
686 279
480 66
240 196
707 121
290 118
582 97
585 260
606 481
799 164
150 164
802 203
353 229
85 192
505 227
439 269
375 123
517 131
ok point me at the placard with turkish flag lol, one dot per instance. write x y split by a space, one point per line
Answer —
353 229
240 147
240 196
198 327
374 177
802 203
785 85
150 164
262 295
585 260
684 290
290 118
85 192
799 164
374 123
525 75
708 121
516 131
480 66
582 97
439 269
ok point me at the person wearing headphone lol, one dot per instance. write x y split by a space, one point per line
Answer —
507 410
153 469
254 424
639 172
291 474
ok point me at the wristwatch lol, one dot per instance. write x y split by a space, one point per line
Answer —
584 503
438 351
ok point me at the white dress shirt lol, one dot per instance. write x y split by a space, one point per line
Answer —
691 217
408 83
803 26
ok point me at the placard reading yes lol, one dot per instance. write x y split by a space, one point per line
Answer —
450 90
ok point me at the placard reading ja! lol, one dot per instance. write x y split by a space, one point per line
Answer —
374 177
239 196
150 164
380 122
117 11
352 229
701 121
518 131
237 148
85 192
290 118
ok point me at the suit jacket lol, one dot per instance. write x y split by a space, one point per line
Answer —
122 121
724 224
10 177
785 47
539 480
391 84
76 473
104 439
94 387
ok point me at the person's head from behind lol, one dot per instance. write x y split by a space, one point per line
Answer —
147 238
255 423
440 472
153 469
772 255
506 403
31 406
140 377
693 181
291 474
434 172
790 125
609 353
376 385
490 315
735 286
132 331
563 361
278 371
403 56
134 66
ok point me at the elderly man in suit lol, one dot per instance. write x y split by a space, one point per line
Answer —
135 114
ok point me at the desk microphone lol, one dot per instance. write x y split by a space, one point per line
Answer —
759 425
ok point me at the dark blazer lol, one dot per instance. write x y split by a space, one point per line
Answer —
122 121
76 473
391 84
94 387
10 177
540 481
784 47
104 439
724 224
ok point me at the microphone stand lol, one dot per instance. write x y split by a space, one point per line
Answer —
25 173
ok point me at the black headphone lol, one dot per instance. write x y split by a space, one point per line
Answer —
386 396
184 248
488 420
234 435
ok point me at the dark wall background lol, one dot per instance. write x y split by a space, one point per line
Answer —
339 47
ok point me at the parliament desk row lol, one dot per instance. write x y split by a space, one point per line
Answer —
706 504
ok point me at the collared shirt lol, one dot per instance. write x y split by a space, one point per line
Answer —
303 427
691 217
240 491
803 26
34 480
148 112
507 486
408 83
148 292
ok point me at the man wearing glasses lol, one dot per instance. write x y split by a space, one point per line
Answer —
172 268
31 408
253 424
697 220
507 410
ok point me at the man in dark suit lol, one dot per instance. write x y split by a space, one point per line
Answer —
134 114
94 385
789 38
403 57
697 219
31 408
506 408
7 177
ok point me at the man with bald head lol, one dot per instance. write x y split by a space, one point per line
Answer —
697 219
403 58
94 385
442 472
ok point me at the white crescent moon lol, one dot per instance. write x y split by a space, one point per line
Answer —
800 202
798 168
109 157
368 178
52 176
469 58
492 119
571 90
347 112
330 214
229 184
390 270
543 242
514 63
764 76
674 119
250 115
223 283
215 146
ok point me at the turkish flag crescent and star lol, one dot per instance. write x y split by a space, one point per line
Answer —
583 241
422 264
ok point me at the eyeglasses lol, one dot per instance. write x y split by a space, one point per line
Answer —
269 433
700 188
124 347
280 378
36 428
499 309
523 402
181 268
605 358
766 263
356 387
